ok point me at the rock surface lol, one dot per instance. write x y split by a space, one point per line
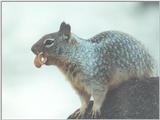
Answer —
134 99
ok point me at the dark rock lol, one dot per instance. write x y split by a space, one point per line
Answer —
134 99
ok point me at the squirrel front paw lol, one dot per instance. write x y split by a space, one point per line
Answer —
95 113
78 114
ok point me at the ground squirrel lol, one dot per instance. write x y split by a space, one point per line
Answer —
93 66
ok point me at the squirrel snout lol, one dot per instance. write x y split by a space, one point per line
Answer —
33 49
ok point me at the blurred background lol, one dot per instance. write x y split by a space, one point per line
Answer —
31 93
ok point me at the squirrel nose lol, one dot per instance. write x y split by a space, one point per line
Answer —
33 49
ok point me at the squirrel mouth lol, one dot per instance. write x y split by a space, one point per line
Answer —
39 60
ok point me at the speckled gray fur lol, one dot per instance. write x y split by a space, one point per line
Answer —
92 66
99 56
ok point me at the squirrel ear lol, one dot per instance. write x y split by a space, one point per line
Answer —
65 29
62 26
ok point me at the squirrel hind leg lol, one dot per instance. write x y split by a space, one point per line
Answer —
99 97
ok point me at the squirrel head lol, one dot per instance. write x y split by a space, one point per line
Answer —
51 46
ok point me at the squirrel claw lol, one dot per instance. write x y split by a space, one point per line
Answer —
76 114
95 114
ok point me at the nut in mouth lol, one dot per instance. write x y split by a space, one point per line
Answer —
39 60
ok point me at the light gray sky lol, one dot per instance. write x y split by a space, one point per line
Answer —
44 93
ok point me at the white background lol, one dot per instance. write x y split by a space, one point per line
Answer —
44 93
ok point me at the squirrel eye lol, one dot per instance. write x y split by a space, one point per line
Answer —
49 42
